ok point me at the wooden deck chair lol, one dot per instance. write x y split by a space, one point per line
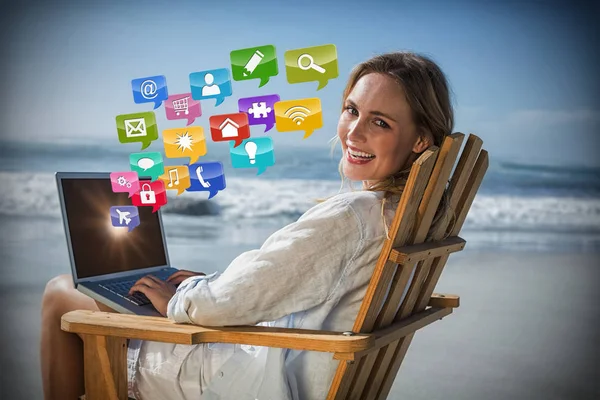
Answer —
399 299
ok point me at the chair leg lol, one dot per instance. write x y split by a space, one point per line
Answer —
105 367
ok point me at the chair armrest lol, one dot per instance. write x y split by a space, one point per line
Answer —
165 330
397 331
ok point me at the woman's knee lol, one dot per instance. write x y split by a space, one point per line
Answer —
60 296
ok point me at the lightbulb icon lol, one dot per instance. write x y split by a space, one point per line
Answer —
250 148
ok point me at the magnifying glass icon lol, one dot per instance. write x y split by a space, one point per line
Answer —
311 64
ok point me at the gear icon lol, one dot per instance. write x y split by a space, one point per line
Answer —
122 181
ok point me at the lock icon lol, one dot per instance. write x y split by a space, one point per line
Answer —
147 196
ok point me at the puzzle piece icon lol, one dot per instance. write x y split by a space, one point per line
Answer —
259 110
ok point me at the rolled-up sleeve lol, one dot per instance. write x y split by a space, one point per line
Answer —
297 268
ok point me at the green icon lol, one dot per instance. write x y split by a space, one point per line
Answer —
254 63
139 127
148 164
318 63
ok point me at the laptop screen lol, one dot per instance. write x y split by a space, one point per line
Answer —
98 248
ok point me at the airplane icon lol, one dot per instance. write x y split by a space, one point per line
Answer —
123 216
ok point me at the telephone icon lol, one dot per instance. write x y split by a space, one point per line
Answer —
199 175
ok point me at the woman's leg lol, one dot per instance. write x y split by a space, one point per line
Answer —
61 353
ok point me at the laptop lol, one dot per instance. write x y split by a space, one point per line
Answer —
105 260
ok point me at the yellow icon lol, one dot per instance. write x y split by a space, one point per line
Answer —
296 115
185 142
176 177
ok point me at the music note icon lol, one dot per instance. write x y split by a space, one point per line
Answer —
171 173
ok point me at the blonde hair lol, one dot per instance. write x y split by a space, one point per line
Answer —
428 96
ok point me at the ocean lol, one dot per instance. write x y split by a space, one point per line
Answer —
528 207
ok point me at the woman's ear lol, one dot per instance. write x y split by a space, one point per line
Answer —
423 143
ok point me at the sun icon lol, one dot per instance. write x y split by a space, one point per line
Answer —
184 142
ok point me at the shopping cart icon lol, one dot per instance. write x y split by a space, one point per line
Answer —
181 106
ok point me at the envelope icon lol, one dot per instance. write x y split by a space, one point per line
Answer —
135 127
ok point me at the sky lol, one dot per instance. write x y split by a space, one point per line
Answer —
523 73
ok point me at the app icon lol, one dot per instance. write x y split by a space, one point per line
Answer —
185 142
150 90
318 63
301 114
260 109
207 177
253 153
226 127
139 127
125 182
182 106
149 164
125 217
176 177
211 84
151 194
254 63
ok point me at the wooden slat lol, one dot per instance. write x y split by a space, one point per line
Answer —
466 194
436 185
418 252
164 330
384 269
439 300
398 330
100 383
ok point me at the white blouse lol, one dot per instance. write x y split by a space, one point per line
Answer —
312 274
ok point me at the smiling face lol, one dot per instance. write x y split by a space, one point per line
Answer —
376 129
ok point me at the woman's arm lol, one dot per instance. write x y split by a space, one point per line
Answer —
297 268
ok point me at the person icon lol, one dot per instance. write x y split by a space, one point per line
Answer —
210 89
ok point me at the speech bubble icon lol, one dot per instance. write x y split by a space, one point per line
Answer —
254 63
301 114
260 109
211 84
185 142
125 217
176 177
225 127
152 89
182 106
253 153
207 177
151 194
137 127
125 182
318 63
147 164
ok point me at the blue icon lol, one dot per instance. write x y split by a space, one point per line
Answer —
125 217
152 89
206 177
253 153
211 84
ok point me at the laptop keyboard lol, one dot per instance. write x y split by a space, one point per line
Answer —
121 288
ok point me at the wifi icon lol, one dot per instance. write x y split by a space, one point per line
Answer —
297 114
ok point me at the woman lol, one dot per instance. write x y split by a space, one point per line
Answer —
312 274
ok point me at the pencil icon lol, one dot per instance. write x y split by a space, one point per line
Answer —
253 62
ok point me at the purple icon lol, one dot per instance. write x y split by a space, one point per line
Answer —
260 109
182 106
125 182
125 217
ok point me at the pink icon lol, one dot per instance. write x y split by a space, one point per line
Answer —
125 182
182 106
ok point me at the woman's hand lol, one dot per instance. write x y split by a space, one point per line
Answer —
158 292
182 275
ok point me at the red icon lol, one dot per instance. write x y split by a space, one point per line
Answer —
151 194
225 127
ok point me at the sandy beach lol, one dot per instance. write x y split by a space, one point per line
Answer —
525 328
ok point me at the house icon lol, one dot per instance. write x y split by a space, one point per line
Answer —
229 128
